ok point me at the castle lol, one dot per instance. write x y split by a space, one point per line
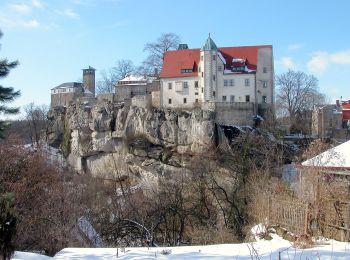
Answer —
68 92
227 78
236 82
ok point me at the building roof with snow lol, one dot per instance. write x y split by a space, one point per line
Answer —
335 158
135 80
175 62
69 85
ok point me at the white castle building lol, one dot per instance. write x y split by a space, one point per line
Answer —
218 75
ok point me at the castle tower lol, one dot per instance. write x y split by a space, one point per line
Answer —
209 65
89 79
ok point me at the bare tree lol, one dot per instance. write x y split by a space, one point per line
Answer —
156 50
297 94
36 119
110 78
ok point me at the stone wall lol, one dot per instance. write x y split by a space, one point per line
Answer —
232 113
144 101
156 99
109 97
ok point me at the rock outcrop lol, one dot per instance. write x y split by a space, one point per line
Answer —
107 140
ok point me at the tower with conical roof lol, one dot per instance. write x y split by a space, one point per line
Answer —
208 64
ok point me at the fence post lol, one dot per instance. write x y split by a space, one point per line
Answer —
306 219
268 209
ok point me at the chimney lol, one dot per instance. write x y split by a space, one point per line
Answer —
89 79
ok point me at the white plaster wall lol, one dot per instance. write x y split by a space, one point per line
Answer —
177 97
239 90
265 59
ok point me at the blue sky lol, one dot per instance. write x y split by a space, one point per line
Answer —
54 39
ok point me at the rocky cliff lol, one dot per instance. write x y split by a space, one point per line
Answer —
107 140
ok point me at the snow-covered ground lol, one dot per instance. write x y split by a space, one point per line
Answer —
262 249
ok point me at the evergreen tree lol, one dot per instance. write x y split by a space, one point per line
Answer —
7 94
7 225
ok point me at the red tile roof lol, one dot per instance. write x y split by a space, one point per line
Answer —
346 114
345 106
174 61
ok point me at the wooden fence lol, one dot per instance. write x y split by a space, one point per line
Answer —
287 212
335 220
330 218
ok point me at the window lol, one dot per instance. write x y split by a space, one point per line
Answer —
214 57
170 85
232 82
219 68
185 84
196 100
225 83
213 93
202 58
264 70
196 84
246 82
186 71
169 101
213 77
202 90
264 99
199 69
196 93
202 74
232 98
224 98
265 84
185 100
247 98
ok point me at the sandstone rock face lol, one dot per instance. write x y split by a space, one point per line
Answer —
107 138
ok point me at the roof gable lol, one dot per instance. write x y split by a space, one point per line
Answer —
175 61
338 156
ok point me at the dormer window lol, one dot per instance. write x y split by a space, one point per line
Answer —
186 70
240 68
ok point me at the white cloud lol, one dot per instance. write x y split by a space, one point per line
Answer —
320 61
37 3
287 62
30 24
295 46
69 13
342 57
21 8
9 22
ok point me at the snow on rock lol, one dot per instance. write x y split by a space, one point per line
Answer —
29 256
89 231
